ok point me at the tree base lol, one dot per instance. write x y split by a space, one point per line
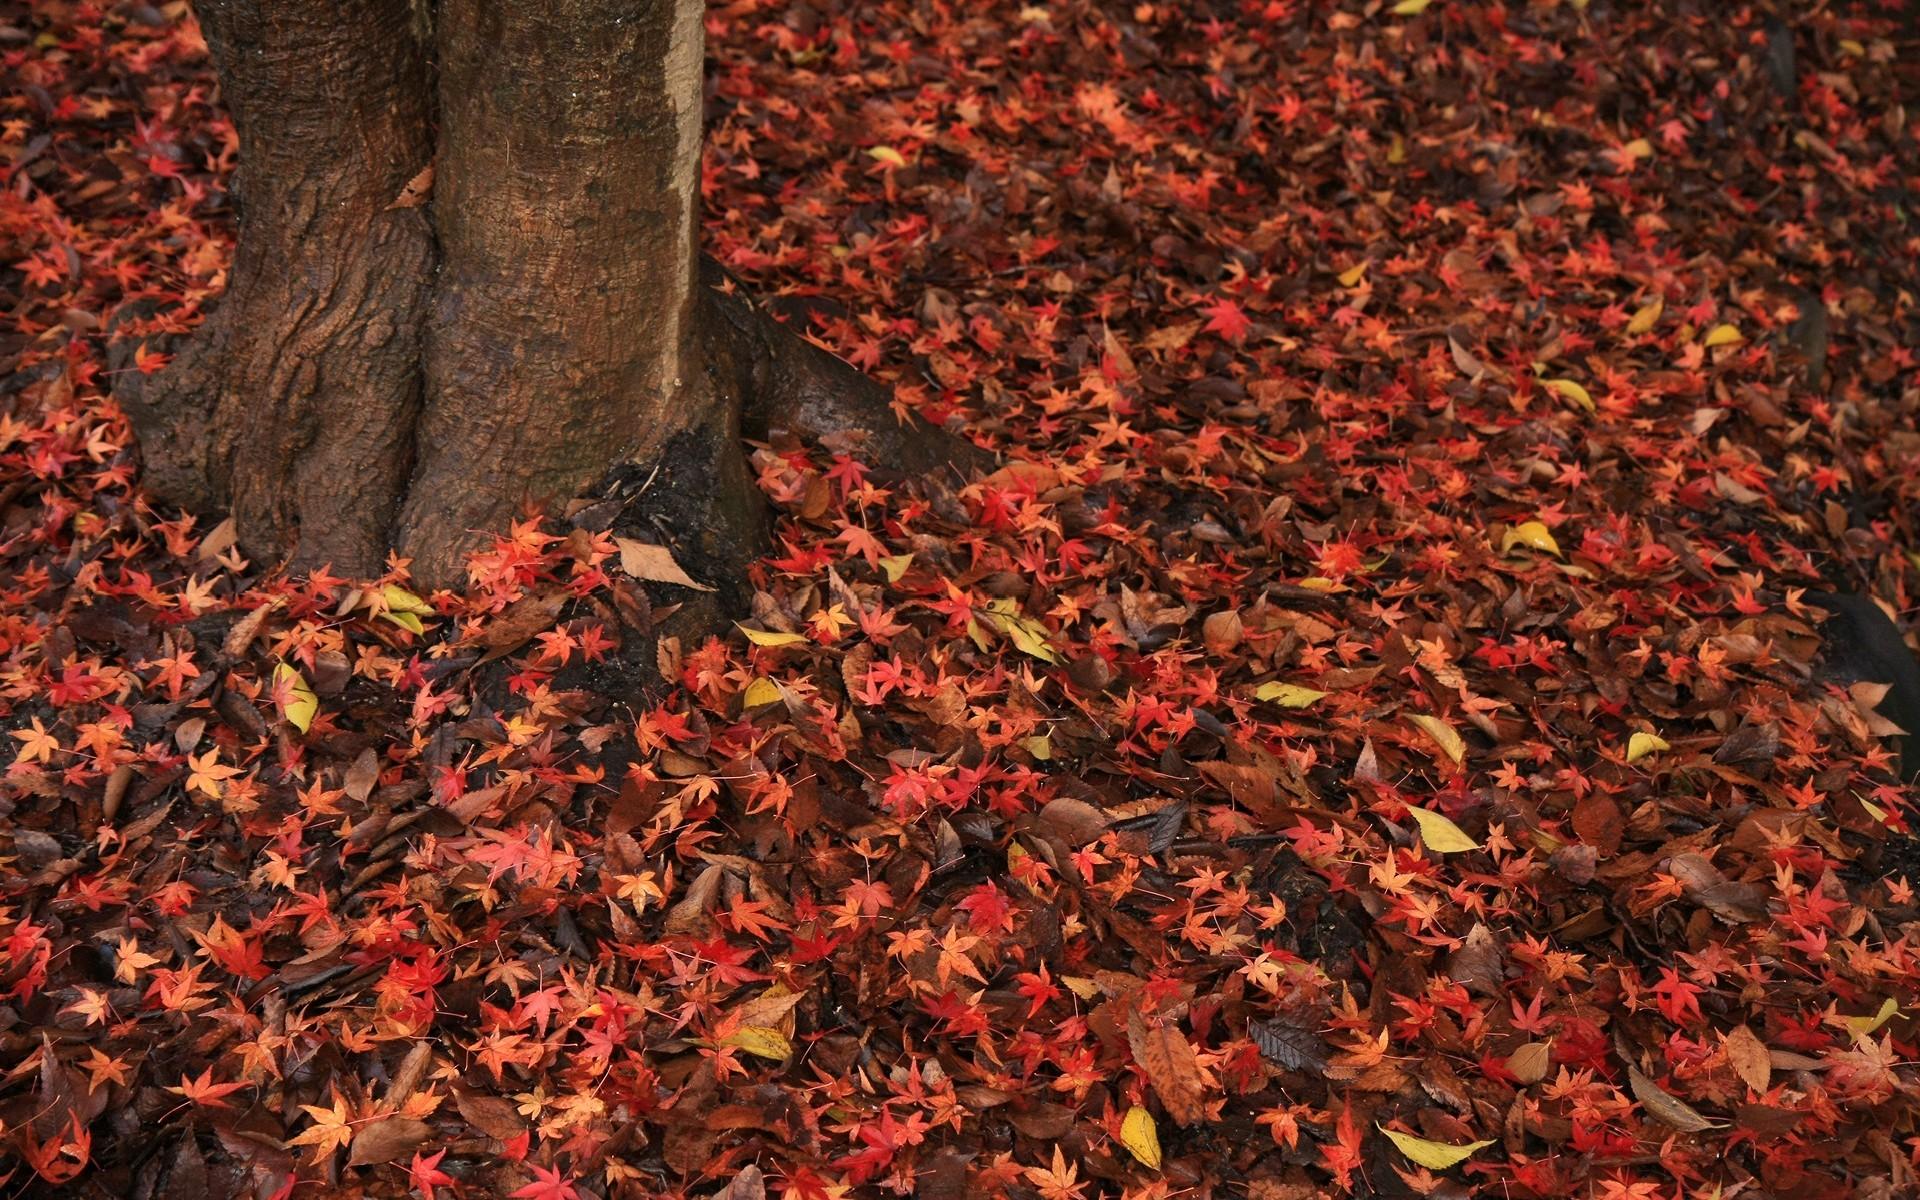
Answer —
314 485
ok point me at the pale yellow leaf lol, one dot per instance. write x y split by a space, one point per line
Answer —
1439 834
1352 276
301 705
1642 744
760 692
403 608
895 565
1029 635
1286 695
762 1040
1141 1137
1435 1156
1862 1027
888 155
1040 747
1722 335
1443 735
767 637
1570 390
1410 8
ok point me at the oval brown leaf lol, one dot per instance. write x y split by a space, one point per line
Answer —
1165 1055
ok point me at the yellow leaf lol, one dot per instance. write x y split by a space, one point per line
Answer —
399 599
404 608
760 692
1040 747
1531 534
1029 635
1644 318
766 637
300 705
1862 1027
1410 8
1638 148
1439 834
1873 810
895 565
888 155
1435 1156
1318 583
1570 390
762 1040
1141 1137
1081 986
1286 695
1642 744
1442 733
1722 335
1352 276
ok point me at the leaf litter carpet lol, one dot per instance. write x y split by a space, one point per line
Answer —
1369 739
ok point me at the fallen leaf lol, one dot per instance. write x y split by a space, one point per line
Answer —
1164 1053
1748 1057
1639 745
1439 834
1443 736
655 564
298 705
1665 1106
1531 534
1645 316
767 637
1435 1156
1287 695
1571 391
761 1040
1141 1137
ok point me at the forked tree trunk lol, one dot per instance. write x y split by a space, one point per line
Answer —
386 374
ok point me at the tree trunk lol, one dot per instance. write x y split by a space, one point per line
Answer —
392 374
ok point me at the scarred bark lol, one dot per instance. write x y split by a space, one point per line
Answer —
412 377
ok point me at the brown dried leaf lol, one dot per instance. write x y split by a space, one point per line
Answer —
1171 1067
654 564
1748 1057
384 1141
1665 1106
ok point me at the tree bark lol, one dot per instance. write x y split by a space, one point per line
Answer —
294 407
565 202
388 377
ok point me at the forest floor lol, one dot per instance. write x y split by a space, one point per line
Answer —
1367 741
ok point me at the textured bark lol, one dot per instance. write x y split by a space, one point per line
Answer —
294 406
414 377
565 203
